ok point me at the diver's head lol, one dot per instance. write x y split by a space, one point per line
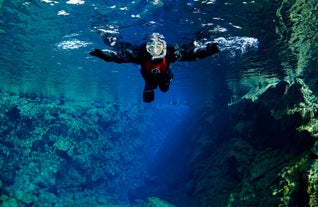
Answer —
156 46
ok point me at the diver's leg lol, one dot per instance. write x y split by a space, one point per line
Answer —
148 94
164 84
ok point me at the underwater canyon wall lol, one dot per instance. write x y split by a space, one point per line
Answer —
267 154
263 153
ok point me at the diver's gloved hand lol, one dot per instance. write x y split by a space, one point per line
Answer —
107 55
212 48
97 53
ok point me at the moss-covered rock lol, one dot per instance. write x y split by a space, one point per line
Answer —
62 146
312 184
23 197
297 26
290 190
10 202
262 155
156 202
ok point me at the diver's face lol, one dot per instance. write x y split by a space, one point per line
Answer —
154 47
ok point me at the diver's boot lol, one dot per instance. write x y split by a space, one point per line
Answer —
148 96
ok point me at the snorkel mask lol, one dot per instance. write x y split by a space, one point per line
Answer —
156 46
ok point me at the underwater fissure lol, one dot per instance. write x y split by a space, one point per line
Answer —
237 129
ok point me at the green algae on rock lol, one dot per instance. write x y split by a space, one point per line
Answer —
156 202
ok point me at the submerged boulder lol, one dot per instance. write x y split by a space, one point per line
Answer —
156 202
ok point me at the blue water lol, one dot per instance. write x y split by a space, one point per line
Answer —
45 47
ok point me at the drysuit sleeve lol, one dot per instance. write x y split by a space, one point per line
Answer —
194 51
127 55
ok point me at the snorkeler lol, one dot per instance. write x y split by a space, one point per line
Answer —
154 57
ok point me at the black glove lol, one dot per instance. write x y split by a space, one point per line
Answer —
97 53
100 54
212 48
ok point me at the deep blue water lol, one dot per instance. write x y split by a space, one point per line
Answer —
45 47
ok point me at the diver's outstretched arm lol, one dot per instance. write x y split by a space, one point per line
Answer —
99 53
197 50
121 56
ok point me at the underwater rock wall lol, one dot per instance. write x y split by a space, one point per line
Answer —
55 153
297 27
268 154
261 158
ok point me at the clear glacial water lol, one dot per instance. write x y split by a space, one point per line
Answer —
45 47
